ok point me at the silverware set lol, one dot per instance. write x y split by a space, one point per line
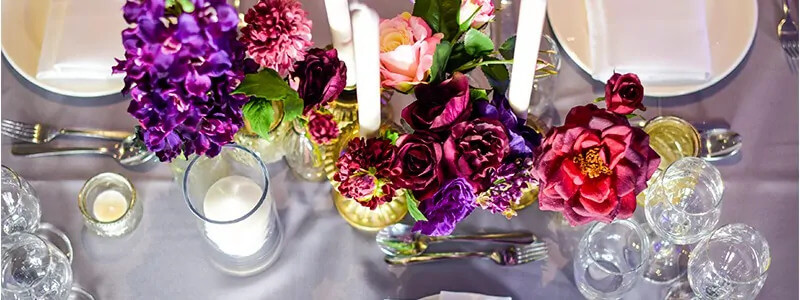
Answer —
402 246
787 35
127 151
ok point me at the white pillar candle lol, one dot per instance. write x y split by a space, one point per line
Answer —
342 35
368 75
526 53
109 205
230 198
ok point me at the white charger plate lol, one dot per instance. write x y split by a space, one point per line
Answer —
24 23
731 29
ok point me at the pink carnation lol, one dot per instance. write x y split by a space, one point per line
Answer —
277 34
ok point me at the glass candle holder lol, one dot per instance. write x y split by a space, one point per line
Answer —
229 194
672 138
109 205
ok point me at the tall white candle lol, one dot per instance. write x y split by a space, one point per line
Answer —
342 35
230 198
368 75
529 35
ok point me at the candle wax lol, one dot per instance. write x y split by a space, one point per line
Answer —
231 198
109 205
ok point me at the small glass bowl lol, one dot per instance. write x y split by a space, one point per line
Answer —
127 222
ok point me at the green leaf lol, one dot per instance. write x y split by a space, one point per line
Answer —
476 94
187 5
477 43
392 135
498 76
265 84
440 57
599 99
259 113
507 48
458 57
468 22
292 108
441 15
413 207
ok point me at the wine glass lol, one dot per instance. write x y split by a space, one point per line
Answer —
731 264
611 259
33 268
681 207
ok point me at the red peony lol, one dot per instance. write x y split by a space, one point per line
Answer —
624 93
593 167
322 128
475 149
419 157
365 169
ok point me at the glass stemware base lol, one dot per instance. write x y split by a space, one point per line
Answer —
668 261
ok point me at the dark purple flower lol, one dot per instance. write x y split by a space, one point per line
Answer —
180 74
440 106
522 139
321 77
451 204
419 157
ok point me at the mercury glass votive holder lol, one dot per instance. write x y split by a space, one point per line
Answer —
109 206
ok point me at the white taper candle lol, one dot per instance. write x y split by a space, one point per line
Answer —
368 75
342 34
526 53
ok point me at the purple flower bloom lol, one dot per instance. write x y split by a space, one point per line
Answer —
523 139
508 184
453 202
180 70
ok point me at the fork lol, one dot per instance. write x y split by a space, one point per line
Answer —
787 34
514 255
42 133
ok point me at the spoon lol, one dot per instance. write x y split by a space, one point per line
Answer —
129 152
719 143
399 240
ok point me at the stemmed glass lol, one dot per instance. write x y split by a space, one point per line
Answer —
682 207
731 264
610 260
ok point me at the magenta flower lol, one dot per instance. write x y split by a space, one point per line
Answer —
277 34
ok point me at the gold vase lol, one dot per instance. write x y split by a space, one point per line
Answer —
367 219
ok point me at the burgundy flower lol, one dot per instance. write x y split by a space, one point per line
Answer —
475 149
321 77
593 167
440 106
322 128
362 160
277 34
419 158
624 93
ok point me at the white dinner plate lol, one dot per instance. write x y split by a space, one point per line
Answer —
731 29
24 23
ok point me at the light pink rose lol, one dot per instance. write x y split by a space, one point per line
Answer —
485 14
407 47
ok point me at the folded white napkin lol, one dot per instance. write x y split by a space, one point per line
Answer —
81 40
664 42
445 295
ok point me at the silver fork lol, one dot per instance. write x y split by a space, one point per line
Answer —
787 34
514 255
42 133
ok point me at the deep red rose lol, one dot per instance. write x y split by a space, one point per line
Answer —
365 159
475 149
440 106
624 93
320 78
418 159
322 128
593 167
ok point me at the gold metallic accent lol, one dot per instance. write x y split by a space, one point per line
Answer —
591 164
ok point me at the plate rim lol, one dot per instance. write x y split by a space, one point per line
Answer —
696 88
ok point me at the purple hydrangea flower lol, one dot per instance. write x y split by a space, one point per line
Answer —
180 70
508 183
454 201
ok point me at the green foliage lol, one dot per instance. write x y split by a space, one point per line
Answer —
477 43
476 94
413 207
259 113
268 85
507 48
441 15
440 58
498 76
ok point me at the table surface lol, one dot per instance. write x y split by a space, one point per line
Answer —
324 258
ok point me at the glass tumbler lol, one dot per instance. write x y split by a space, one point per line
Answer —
33 268
229 194
610 259
731 264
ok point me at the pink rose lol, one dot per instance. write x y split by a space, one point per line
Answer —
407 47
485 13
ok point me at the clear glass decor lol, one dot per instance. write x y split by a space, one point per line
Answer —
109 205
229 194
270 148
304 156
20 204
610 259
731 264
